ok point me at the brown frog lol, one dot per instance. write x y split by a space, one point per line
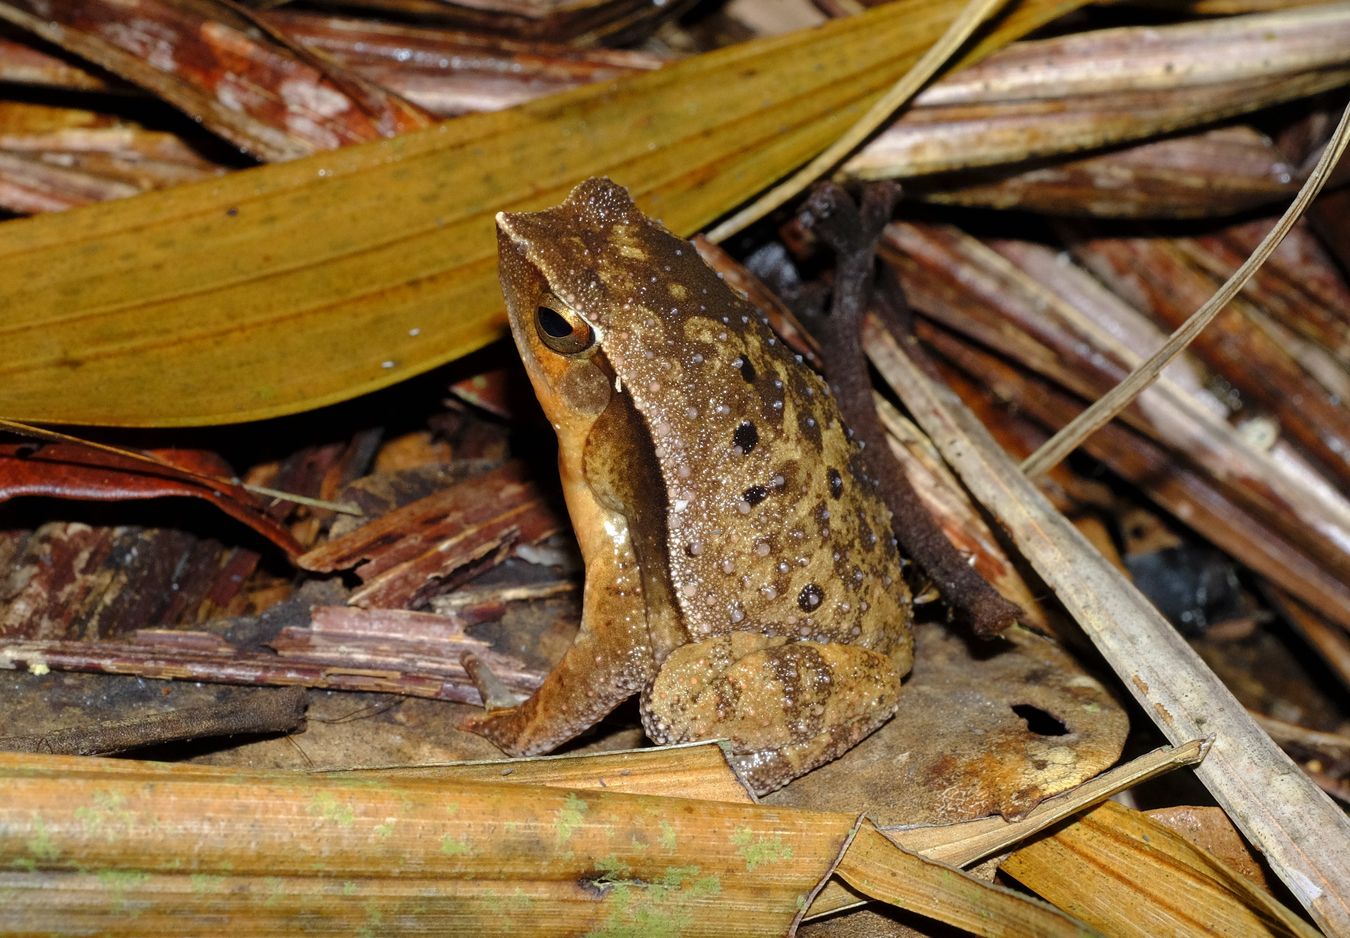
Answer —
740 570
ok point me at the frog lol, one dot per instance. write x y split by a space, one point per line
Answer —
741 576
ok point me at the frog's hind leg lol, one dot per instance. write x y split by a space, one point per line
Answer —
609 661
785 707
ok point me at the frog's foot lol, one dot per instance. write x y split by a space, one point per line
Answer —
578 693
785 707
505 730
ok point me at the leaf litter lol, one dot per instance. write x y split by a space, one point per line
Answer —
366 647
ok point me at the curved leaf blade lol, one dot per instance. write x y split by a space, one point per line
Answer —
290 286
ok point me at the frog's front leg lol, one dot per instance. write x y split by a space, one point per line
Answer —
609 660
784 706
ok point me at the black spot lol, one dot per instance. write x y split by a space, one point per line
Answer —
836 482
810 598
745 436
747 371
232 211
755 494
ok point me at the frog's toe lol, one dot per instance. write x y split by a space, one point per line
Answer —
502 728
495 695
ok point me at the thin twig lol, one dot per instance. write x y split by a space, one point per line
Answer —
1105 409
19 428
342 508
1285 732
852 233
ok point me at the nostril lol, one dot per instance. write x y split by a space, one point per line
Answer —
1039 721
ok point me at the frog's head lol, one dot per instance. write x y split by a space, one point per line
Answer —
595 280
555 302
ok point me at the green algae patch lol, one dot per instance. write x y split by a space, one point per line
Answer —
373 926
569 817
275 887
108 816
759 850
206 883
661 908
121 882
41 850
453 846
325 805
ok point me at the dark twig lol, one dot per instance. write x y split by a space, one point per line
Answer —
263 710
853 235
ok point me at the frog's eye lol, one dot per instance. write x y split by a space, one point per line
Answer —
561 329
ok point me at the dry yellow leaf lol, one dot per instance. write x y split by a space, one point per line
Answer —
876 867
1128 874
299 284
116 847
689 770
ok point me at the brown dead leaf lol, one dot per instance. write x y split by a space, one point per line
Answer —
1155 274
1208 829
983 728
1082 91
1212 173
53 158
74 471
437 542
452 72
578 21
334 647
1056 320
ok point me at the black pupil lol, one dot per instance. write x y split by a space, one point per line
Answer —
553 323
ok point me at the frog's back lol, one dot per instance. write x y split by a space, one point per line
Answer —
773 524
